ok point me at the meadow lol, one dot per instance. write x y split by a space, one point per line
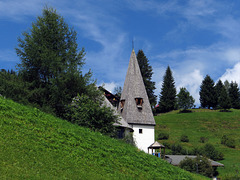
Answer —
35 145
210 124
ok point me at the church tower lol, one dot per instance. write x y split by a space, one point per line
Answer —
135 108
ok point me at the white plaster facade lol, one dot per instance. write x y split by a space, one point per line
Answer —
144 136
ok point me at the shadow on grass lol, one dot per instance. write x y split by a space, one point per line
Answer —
225 110
185 111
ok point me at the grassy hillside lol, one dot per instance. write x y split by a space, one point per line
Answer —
205 123
34 145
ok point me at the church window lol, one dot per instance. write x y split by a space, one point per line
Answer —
122 102
139 102
140 131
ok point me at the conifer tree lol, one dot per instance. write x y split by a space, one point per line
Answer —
167 101
147 72
207 93
218 89
184 99
234 95
224 100
51 62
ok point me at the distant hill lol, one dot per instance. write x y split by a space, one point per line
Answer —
35 145
204 123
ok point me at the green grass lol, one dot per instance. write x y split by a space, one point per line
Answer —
205 123
35 145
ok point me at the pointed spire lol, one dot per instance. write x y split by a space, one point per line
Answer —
134 106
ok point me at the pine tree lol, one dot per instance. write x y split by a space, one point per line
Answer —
234 95
207 93
147 72
184 99
218 89
224 100
51 62
167 101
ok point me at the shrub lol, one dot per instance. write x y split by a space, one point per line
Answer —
162 136
200 165
184 138
229 142
203 139
177 149
167 145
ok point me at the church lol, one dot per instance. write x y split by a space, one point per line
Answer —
134 106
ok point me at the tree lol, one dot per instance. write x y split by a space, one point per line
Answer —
147 72
199 165
92 114
234 95
167 101
184 99
118 91
207 93
51 62
224 100
218 89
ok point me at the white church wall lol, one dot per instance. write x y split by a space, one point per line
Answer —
144 136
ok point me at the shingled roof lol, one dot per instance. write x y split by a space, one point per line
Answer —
134 90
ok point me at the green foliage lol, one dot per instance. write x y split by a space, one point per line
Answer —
90 113
177 149
12 86
224 100
229 142
203 139
51 62
234 95
35 145
147 72
207 93
199 165
184 138
184 99
162 136
167 101
218 90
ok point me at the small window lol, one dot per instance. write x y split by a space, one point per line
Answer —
122 102
139 102
140 131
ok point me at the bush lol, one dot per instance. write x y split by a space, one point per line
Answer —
229 142
184 138
209 151
92 114
200 165
177 149
162 136
203 139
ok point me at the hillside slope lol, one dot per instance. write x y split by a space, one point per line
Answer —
35 145
205 123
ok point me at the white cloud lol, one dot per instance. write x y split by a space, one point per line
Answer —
191 81
232 74
110 86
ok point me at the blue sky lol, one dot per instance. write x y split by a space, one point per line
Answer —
193 37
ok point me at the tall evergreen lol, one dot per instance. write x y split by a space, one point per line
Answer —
207 93
218 89
224 100
234 95
51 62
167 101
147 72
